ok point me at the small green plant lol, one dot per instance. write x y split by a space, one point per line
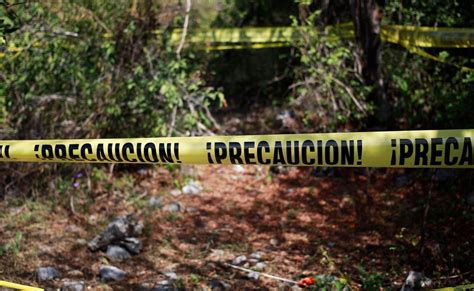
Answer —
370 280
195 279
12 247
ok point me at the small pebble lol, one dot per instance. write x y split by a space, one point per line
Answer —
172 207
111 273
192 188
253 275
259 266
171 275
73 286
256 255
155 202
117 254
46 273
239 260
132 244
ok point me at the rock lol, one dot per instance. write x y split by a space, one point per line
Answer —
171 275
155 202
192 188
175 192
164 285
172 207
117 253
132 244
259 266
111 273
239 260
75 273
253 275
46 273
81 242
216 285
73 286
415 280
274 242
256 255
118 229
238 169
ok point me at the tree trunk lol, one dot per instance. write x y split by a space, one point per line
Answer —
367 16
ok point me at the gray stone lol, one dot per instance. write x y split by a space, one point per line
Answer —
416 280
111 273
192 188
259 266
171 275
172 207
216 285
73 286
117 253
132 244
164 285
155 202
46 273
239 169
118 229
274 242
239 260
253 275
81 242
256 255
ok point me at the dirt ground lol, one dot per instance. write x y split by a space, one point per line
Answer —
301 221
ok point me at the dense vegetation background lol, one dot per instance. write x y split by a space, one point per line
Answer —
90 69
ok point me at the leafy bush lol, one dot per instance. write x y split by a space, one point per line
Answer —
90 69
328 90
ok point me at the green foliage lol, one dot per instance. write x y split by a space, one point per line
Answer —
440 95
327 89
12 247
85 69
370 280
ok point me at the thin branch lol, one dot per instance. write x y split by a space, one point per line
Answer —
173 121
262 274
185 29
349 92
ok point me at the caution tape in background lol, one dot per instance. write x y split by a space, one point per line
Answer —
427 37
420 149
413 38
18 286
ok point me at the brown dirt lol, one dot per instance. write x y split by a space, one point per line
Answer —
303 224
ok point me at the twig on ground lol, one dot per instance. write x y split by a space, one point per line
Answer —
262 274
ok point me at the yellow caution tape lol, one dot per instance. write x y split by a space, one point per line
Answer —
399 34
440 37
410 37
420 149
18 286
456 288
